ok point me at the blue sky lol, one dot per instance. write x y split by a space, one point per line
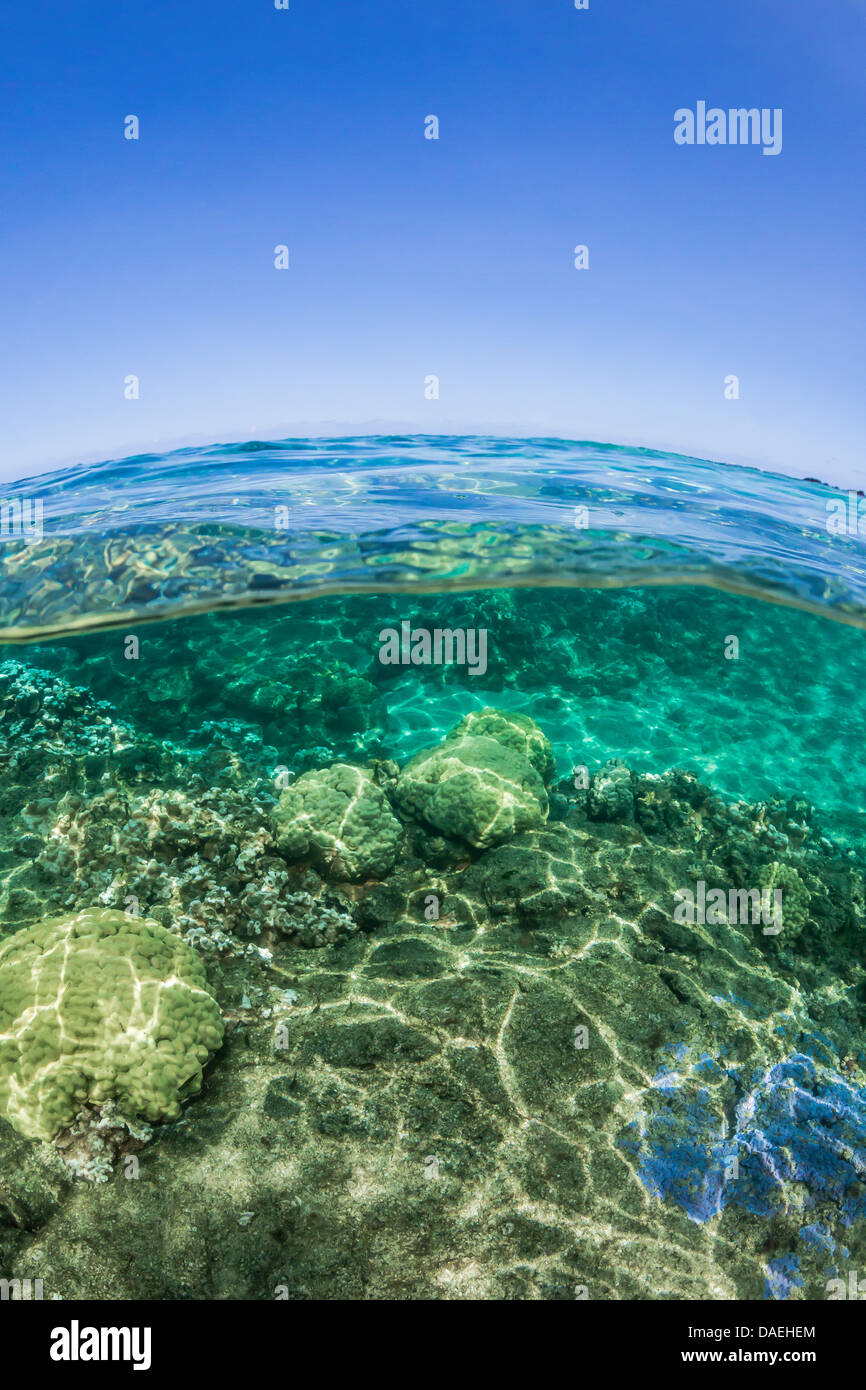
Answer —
412 257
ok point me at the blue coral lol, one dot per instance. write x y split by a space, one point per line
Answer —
798 1121
783 1277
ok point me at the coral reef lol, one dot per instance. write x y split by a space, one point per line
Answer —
471 1050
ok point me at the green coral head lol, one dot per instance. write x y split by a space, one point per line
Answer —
474 787
512 730
100 1007
340 818
783 886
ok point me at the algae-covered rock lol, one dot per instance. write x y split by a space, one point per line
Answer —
515 731
473 788
537 876
340 817
98 1007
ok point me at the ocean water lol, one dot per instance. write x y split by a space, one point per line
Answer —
432 868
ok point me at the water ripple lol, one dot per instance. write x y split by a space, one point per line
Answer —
157 535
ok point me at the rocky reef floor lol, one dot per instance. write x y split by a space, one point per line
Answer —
475 1057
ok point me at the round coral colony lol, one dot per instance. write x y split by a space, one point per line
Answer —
99 1007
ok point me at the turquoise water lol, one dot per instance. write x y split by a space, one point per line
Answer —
639 674
191 677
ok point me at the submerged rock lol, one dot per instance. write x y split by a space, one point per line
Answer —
797 1139
536 877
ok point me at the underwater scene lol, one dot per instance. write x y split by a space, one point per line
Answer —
432 868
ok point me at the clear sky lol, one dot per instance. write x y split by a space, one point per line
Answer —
412 257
